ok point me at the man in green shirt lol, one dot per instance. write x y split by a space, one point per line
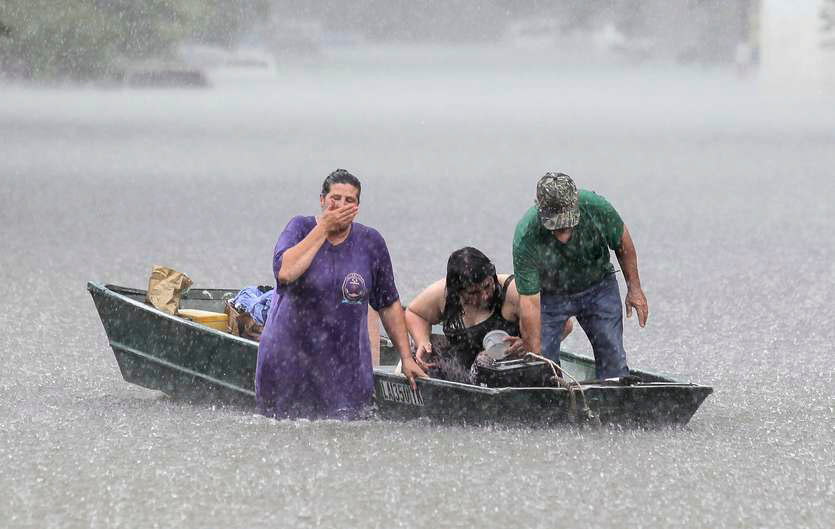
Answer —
563 269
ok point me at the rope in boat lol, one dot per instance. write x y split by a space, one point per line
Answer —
554 367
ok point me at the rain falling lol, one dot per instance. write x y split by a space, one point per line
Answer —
188 134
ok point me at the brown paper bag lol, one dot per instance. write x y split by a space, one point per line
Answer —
165 287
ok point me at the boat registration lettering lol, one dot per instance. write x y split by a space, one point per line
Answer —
402 393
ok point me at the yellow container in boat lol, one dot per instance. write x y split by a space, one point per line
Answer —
215 320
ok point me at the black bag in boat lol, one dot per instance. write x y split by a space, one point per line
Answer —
516 373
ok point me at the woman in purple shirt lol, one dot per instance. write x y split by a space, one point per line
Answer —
314 359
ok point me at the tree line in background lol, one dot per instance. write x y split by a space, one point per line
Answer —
688 31
443 20
95 39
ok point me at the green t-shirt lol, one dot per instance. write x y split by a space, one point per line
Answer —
542 263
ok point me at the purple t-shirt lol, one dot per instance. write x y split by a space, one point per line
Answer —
314 358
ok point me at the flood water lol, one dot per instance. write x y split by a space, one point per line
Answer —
726 186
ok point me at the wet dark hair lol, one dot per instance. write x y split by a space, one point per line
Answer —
465 267
341 176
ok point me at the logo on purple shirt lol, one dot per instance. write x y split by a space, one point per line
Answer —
353 288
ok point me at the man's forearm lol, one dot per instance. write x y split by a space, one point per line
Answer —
635 298
628 259
530 322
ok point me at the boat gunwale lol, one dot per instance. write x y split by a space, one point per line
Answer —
514 389
106 290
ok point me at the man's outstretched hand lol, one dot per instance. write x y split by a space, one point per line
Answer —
635 298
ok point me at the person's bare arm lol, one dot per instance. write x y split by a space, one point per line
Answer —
374 335
395 324
511 299
423 312
628 259
530 322
296 260
511 311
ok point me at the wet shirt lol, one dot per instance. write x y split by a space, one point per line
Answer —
314 357
541 263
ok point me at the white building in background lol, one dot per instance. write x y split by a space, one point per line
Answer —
796 40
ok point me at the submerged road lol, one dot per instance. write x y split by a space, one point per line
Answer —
727 188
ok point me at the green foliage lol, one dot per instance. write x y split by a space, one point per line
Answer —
88 39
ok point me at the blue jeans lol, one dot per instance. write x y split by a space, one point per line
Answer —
598 311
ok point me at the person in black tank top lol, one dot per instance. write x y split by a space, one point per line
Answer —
465 343
469 302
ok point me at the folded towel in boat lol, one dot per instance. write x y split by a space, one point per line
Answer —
255 301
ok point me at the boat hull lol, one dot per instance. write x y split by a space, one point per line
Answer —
194 362
645 404
178 357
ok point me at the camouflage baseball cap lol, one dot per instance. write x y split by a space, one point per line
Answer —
556 201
